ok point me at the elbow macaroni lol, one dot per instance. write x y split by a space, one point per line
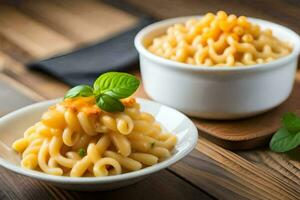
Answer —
114 143
219 40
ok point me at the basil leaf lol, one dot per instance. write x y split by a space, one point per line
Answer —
291 122
79 91
118 93
116 84
283 140
109 103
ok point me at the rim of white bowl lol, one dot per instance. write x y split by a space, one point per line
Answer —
97 180
138 42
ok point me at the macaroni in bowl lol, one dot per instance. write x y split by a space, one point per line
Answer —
219 40
76 138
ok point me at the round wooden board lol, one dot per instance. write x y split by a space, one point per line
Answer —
250 132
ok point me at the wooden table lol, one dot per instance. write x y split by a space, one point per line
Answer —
33 30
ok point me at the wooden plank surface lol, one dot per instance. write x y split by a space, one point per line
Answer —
13 95
34 37
80 21
264 182
255 174
162 185
285 12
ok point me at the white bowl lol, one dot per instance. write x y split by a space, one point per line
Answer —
217 92
14 124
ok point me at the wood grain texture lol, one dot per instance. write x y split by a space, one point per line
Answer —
278 11
35 38
42 84
162 184
78 21
109 19
207 174
264 182
13 95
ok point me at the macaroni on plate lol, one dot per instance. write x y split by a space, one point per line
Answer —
219 40
76 138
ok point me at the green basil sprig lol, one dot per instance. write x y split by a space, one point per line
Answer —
287 137
80 91
108 89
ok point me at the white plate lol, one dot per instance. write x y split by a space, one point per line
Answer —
13 125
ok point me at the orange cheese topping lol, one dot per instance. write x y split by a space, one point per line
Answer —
128 102
89 106
82 104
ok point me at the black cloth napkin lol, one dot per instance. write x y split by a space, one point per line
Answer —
83 66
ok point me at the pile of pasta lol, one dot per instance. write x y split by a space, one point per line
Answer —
219 40
76 138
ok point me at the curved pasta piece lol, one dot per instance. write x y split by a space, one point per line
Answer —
126 162
121 143
42 161
20 145
80 167
29 131
72 121
220 58
248 59
275 44
33 147
86 124
30 161
142 146
109 122
43 130
169 143
156 134
52 162
208 62
70 137
54 119
145 158
103 143
160 152
200 55
82 142
93 153
142 126
124 124
148 145
134 113
100 167
73 155
54 151
220 44
100 128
